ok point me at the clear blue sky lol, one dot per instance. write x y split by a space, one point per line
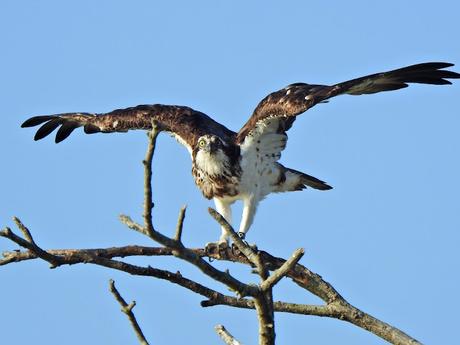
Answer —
387 235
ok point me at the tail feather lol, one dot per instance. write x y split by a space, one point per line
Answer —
292 180
313 182
296 180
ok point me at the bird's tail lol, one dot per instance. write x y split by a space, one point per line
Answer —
295 180
310 181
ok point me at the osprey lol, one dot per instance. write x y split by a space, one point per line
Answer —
229 166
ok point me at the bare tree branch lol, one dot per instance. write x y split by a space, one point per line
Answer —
128 310
262 298
148 204
283 270
244 248
263 301
133 225
226 336
27 235
335 307
29 244
178 250
180 224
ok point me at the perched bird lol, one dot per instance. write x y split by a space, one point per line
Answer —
229 166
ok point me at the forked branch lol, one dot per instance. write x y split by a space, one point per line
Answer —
335 307
128 310
259 296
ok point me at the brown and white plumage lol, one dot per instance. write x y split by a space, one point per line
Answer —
229 166
184 122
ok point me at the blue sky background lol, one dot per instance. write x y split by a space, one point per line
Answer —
386 236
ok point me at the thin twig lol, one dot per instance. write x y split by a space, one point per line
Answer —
132 224
25 231
180 224
283 270
128 310
226 336
148 204
31 246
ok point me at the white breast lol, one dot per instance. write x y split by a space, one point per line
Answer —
213 164
260 170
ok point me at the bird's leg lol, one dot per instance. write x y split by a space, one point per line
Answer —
249 210
225 210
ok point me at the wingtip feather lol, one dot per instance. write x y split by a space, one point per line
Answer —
47 128
36 120
65 130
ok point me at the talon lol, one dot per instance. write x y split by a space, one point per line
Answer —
235 250
222 246
210 248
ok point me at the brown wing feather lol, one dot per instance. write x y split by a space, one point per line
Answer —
424 73
282 106
184 122
285 104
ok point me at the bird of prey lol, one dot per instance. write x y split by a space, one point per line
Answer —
228 166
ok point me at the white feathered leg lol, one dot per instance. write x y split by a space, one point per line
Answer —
224 208
249 210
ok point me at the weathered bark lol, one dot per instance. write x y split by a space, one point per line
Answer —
259 297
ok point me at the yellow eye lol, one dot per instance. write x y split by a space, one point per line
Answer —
202 143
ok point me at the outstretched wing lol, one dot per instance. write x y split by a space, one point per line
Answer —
276 113
186 124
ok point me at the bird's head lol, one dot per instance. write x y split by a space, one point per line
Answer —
210 144
210 155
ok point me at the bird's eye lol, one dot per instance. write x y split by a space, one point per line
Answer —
202 143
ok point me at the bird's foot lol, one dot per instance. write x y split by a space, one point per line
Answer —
242 235
213 248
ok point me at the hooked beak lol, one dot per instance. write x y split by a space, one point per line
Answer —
212 147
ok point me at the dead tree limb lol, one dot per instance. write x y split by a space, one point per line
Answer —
128 310
259 296
226 336
299 274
